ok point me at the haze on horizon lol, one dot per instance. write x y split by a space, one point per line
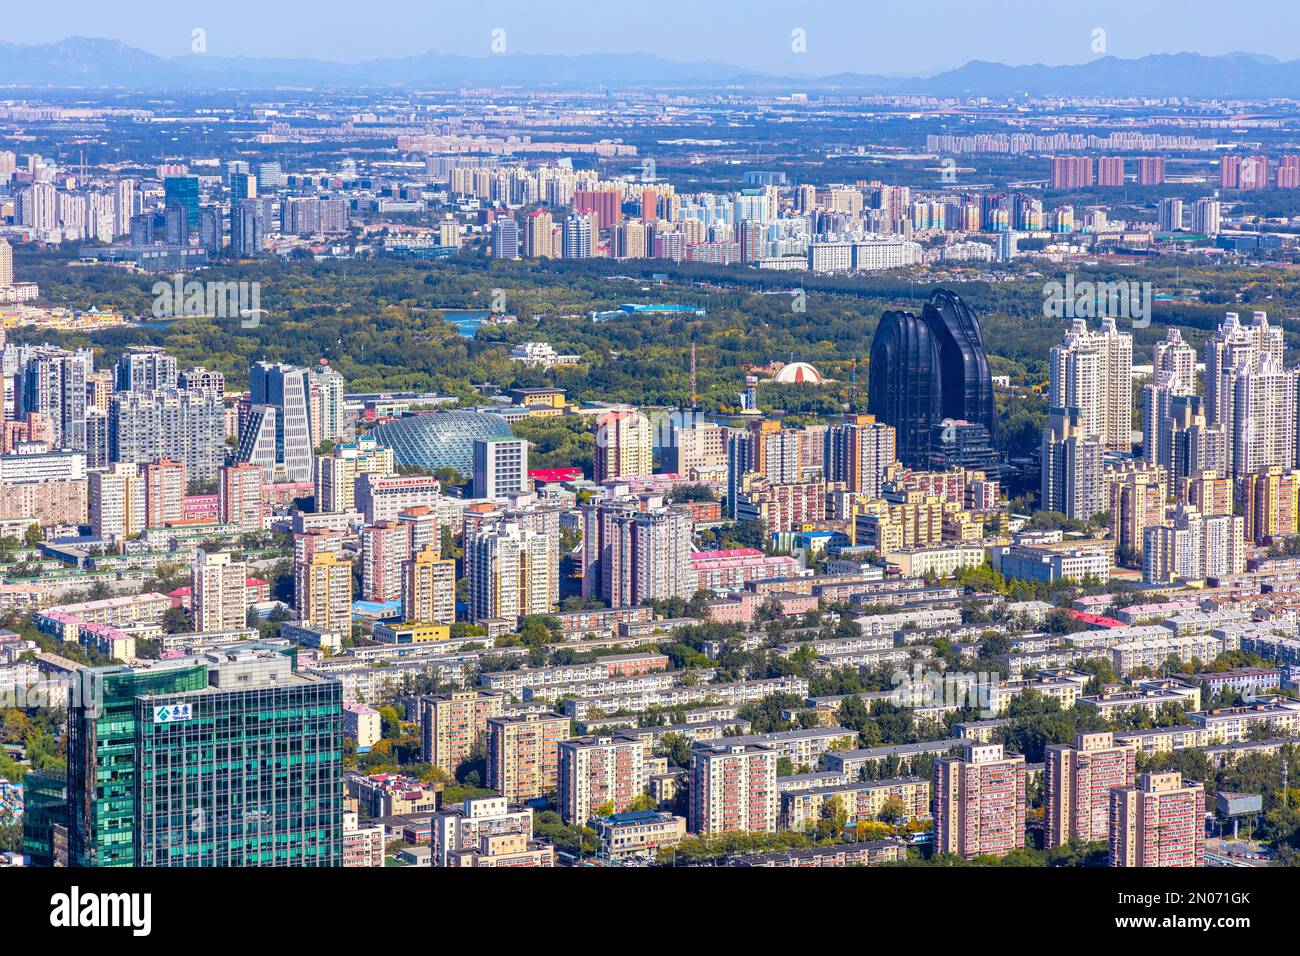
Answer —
916 37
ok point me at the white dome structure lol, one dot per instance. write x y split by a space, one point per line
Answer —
797 372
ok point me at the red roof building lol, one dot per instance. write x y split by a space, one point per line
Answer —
547 476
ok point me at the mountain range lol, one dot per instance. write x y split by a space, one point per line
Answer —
81 62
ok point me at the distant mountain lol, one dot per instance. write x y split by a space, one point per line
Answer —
1163 74
78 61
82 62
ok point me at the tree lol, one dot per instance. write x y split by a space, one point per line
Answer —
894 811
548 826
176 620
833 818
677 748
769 610
687 493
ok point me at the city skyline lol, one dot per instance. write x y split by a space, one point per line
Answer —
532 457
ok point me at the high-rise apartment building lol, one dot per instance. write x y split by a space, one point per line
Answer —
1151 170
325 388
1269 502
325 601
1250 394
1288 172
199 379
605 203
305 545
523 754
1229 172
858 452
1110 170
579 234
239 497
422 522
1072 172
1262 430
624 445
631 555
171 424
124 206
385 553
1175 358
1158 822
1169 215
512 570
164 492
1078 781
733 787
218 592
117 502
429 588
1177 437
453 725
1137 501
52 383
1232 350
1073 480
337 472
1208 492
767 450
1192 546
1243 172
145 369
980 802
630 240
538 240
505 238
694 447
599 776
1207 215
1093 372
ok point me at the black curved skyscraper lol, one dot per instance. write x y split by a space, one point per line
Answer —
927 369
903 385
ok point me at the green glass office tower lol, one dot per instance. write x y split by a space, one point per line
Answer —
250 775
45 817
102 755
240 768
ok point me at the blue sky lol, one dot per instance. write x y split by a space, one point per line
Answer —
867 36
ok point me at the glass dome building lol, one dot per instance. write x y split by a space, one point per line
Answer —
436 440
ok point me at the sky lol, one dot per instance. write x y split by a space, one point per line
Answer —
905 37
